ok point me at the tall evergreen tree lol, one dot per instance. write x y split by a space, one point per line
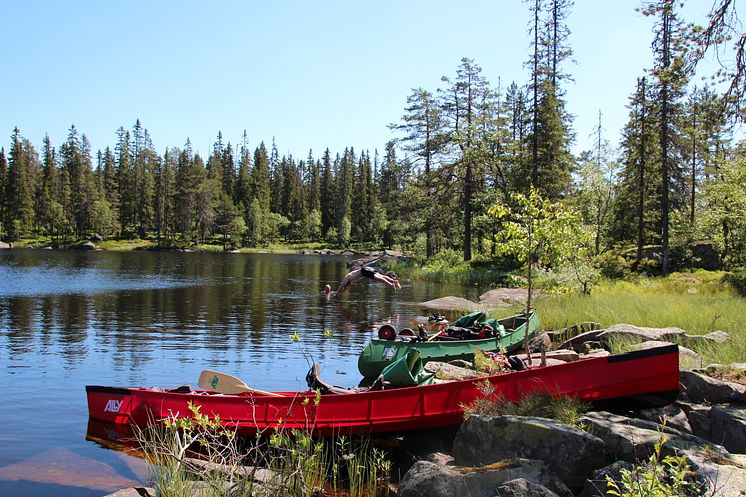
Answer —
260 178
3 190
328 193
669 50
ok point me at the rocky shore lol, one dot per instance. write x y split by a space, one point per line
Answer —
523 456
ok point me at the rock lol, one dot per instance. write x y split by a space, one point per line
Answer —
576 343
728 428
87 246
445 371
462 364
595 353
134 492
686 356
540 342
501 297
97 238
673 415
631 440
440 458
4 245
641 334
699 419
536 359
569 452
563 355
701 388
520 487
426 479
710 338
596 484
720 476
452 304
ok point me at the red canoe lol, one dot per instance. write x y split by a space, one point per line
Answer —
647 378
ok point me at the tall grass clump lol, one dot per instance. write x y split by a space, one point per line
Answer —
199 456
565 409
697 302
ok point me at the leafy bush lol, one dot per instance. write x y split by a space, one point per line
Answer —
669 476
611 265
737 280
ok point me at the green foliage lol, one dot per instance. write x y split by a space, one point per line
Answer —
540 404
299 464
737 280
657 477
103 219
611 265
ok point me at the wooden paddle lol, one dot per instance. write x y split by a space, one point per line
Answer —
225 383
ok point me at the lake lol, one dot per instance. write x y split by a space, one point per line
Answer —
69 319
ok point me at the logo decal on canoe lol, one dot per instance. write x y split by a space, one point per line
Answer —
214 382
389 353
113 406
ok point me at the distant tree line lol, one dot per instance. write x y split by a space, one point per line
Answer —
675 177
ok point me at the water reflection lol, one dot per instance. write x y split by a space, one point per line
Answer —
68 319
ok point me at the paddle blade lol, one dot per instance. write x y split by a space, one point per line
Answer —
225 383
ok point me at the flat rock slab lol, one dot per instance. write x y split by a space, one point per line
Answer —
687 357
641 334
501 297
452 304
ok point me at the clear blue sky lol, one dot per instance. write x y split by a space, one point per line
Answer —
311 74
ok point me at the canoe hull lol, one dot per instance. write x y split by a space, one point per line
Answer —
643 375
379 353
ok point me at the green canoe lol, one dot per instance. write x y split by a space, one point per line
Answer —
508 334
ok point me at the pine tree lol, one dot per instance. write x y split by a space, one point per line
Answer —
669 71
328 194
3 190
260 178
243 183
277 181
124 180
76 161
467 105
21 187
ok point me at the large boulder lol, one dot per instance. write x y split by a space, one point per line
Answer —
698 416
632 440
702 388
427 479
4 245
452 304
728 428
500 297
640 334
571 453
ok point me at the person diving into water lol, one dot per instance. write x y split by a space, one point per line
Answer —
370 272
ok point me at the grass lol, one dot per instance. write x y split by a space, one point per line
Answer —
292 462
564 409
697 302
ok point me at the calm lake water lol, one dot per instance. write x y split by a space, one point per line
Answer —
69 319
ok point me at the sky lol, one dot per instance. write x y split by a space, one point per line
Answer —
308 74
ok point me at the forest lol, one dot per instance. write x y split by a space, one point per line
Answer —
677 176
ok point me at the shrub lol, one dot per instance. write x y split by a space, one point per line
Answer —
611 265
669 476
737 280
